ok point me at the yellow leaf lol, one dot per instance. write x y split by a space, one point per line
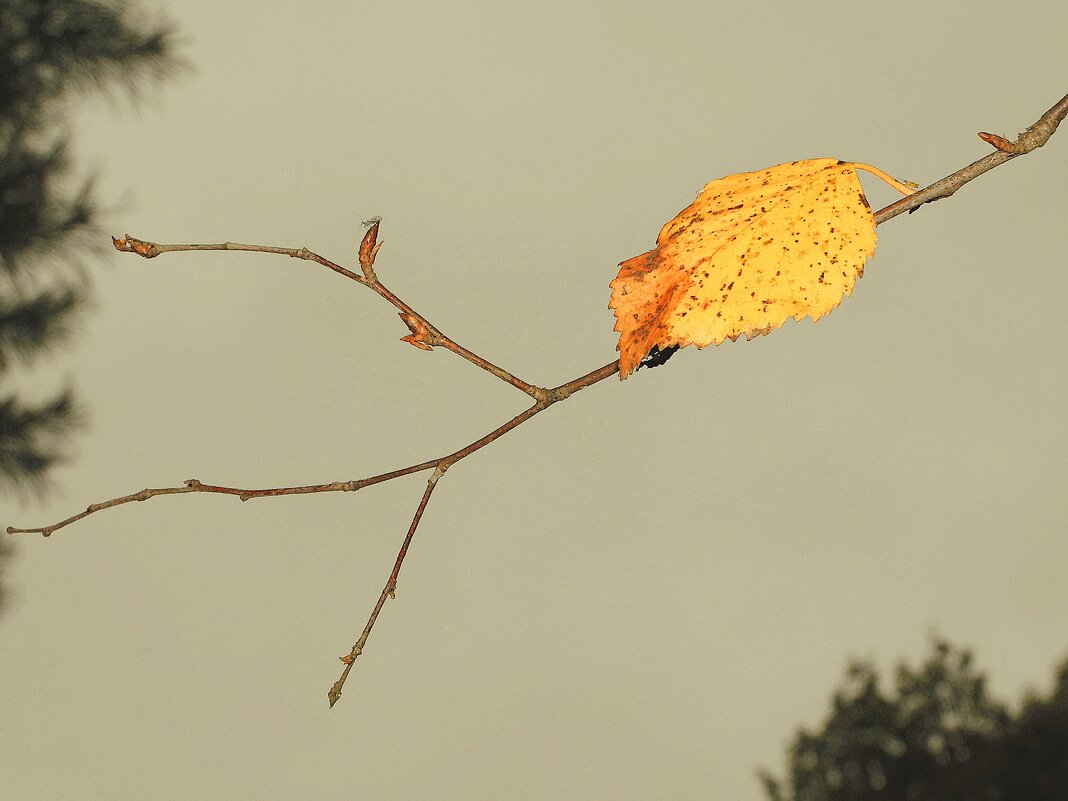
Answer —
752 251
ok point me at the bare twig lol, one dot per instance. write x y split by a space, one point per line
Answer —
369 246
194 485
426 336
1034 137
389 590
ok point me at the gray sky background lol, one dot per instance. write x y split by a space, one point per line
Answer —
643 592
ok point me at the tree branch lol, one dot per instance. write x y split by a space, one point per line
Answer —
1031 139
426 336
389 591
195 485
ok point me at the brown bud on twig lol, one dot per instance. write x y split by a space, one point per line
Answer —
368 250
127 244
421 335
1001 143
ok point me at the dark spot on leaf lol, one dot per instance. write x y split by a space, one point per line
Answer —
657 357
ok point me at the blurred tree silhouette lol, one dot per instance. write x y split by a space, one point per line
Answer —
50 51
938 736
1036 750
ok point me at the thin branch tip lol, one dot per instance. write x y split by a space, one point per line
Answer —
129 244
1034 137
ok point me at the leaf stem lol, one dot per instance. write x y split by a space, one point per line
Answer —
903 187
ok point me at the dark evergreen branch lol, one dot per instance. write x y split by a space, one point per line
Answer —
31 438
